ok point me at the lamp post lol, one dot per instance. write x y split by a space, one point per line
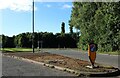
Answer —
33 26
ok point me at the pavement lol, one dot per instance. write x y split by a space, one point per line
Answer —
15 67
105 59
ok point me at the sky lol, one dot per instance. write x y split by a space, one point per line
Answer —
17 16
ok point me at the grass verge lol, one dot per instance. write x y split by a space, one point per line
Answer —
111 53
16 50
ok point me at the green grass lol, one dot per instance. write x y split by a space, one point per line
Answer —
16 50
110 53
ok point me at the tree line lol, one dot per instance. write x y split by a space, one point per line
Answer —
42 39
98 21
48 39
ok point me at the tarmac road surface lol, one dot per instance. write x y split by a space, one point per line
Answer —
15 67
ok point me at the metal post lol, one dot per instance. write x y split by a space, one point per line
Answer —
41 44
33 27
38 40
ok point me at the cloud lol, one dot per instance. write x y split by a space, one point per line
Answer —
23 5
16 5
66 6
53 0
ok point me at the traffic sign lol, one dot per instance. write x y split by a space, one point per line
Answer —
92 48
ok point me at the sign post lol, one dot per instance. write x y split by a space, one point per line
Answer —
92 48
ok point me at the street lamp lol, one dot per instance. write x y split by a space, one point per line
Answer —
33 26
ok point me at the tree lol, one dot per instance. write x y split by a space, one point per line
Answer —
71 30
97 21
7 42
3 41
63 28
49 40
109 19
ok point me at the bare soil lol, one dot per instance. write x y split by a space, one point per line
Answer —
62 61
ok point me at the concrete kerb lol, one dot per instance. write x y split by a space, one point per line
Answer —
77 73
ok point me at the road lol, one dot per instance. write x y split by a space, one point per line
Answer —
105 59
14 67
